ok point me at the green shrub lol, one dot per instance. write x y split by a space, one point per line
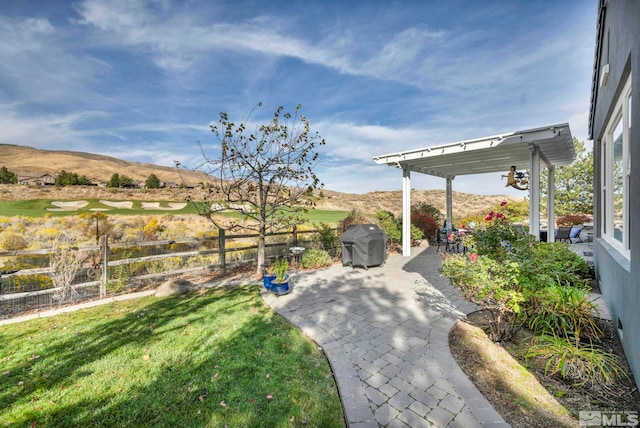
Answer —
516 211
393 228
354 217
390 225
329 239
202 261
490 284
579 363
165 265
280 269
543 286
33 282
544 264
314 259
500 240
561 311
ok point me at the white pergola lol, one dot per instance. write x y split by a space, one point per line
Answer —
550 145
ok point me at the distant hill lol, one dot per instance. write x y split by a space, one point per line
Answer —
29 160
98 167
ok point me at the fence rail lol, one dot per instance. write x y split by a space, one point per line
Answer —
110 269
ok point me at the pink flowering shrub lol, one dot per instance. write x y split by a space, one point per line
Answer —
499 237
506 272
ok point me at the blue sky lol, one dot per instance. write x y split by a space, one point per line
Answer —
142 80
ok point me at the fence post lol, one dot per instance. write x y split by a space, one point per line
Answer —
222 253
295 235
104 262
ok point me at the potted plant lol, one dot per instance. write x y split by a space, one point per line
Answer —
268 275
280 284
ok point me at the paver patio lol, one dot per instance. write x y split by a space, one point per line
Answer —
385 331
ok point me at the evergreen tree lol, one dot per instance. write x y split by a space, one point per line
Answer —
7 177
153 182
114 181
574 184
126 181
65 178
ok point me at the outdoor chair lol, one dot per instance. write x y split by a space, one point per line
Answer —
563 234
575 233
450 241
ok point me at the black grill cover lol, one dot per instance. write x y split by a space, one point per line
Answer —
363 245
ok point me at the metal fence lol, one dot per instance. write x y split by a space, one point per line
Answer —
34 280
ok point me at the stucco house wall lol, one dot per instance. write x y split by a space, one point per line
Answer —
618 272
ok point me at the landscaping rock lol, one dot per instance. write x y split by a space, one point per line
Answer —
173 286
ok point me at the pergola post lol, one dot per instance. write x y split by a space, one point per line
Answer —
534 192
449 202
406 211
551 204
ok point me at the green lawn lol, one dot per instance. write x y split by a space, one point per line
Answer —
38 208
211 359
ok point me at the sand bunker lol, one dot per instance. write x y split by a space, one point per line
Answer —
237 207
124 204
171 206
68 205
76 205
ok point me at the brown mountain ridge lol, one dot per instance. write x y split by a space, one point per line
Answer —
23 159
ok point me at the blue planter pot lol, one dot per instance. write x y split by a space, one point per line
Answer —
280 287
266 280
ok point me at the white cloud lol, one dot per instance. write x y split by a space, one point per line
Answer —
45 131
137 78
177 41
37 68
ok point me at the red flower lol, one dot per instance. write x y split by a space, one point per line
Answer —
473 257
503 203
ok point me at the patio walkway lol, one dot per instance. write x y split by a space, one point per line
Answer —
385 332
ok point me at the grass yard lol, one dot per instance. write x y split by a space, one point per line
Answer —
214 358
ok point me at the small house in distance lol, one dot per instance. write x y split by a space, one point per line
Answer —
35 179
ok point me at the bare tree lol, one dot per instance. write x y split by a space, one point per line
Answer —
66 261
266 175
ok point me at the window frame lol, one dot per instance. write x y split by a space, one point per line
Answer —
621 114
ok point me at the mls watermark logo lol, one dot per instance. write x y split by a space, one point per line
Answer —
597 418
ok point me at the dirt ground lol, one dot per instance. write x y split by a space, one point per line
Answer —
519 389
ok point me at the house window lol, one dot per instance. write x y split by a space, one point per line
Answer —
616 169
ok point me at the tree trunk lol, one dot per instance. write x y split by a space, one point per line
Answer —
261 249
